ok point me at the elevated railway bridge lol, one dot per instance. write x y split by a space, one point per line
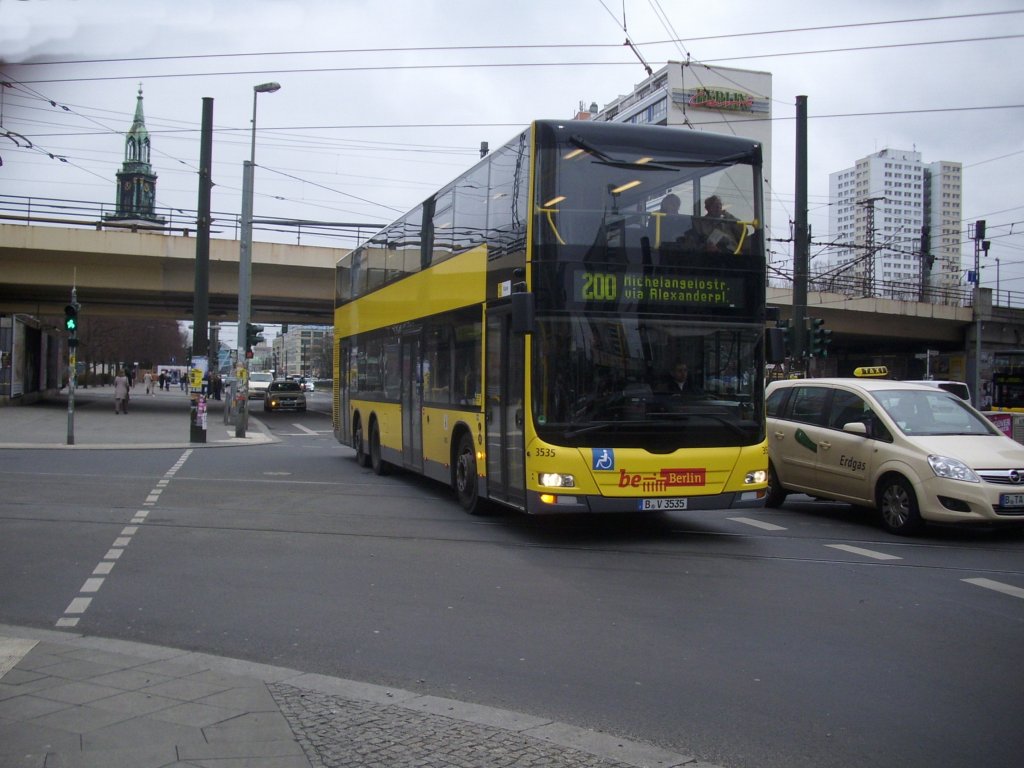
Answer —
139 273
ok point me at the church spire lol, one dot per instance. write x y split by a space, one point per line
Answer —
136 182
136 146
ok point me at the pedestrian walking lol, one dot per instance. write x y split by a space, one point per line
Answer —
147 379
121 393
162 379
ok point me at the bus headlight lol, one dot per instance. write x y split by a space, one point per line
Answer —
556 480
756 477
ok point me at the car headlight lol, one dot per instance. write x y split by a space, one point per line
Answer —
954 469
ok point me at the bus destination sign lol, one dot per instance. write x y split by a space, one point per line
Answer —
678 289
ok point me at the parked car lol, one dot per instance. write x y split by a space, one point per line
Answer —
284 394
258 383
913 452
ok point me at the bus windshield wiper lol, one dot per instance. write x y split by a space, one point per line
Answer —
596 425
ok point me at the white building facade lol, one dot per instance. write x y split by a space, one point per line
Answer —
303 350
897 223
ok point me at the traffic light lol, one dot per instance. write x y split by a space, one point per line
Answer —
787 335
71 318
253 337
818 337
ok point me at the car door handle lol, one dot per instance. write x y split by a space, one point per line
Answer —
825 445
780 435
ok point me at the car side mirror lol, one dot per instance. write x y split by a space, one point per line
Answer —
856 428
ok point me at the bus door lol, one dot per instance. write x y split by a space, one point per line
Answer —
506 359
412 403
343 429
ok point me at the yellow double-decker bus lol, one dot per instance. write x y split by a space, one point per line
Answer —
575 324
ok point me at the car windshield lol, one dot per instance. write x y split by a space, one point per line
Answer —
260 377
937 412
285 386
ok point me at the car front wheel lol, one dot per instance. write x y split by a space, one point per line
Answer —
897 504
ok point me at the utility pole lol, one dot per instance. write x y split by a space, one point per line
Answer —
201 305
979 236
801 244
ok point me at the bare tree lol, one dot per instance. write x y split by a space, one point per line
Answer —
114 341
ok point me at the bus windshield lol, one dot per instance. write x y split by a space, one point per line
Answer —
646 201
654 383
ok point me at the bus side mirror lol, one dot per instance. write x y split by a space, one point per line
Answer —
522 313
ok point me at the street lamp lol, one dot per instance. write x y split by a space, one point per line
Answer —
245 262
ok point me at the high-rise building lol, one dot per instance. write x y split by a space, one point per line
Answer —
897 224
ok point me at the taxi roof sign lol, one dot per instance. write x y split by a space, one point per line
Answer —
871 371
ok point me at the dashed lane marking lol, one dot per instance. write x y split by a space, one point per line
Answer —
94 583
757 523
997 586
864 552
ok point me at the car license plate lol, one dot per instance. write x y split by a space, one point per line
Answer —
647 505
1011 499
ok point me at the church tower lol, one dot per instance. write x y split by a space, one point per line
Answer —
136 182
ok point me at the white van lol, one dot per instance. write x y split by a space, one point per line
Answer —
958 388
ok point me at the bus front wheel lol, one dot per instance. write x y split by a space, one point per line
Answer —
465 475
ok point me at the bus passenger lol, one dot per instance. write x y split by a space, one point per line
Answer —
719 229
668 225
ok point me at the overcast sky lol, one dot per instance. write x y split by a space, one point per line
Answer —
382 103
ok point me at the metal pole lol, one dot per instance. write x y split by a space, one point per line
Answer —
979 234
244 296
201 306
245 265
72 373
801 250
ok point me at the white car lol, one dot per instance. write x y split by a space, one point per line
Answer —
307 384
913 452
258 383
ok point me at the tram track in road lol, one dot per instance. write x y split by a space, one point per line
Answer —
849 547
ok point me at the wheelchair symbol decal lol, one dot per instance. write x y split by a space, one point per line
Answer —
602 458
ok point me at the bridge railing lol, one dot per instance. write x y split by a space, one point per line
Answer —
855 287
45 211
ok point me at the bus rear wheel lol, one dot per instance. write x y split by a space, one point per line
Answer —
465 481
380 467
362 458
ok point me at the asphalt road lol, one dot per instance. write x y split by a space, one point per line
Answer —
800 637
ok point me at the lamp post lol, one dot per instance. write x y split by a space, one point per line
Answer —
245 264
